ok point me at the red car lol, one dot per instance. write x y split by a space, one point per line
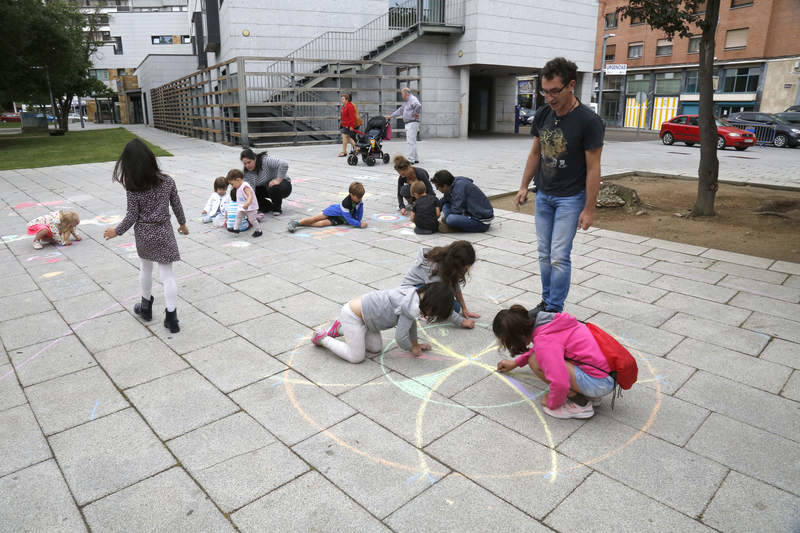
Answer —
10 117
686 128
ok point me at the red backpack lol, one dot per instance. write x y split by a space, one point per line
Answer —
623 365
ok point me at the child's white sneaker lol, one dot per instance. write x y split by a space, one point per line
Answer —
571 410
37 245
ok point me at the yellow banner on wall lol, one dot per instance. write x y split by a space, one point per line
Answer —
665 108
635 114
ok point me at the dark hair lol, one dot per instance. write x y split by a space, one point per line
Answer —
137 168
356 188
561 67
442 177
451 262
220 183
436 301
418 188
234 174
250 154
401 162
348 96
513 328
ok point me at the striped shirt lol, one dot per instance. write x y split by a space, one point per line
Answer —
271 168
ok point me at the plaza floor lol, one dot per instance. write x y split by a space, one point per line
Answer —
238 422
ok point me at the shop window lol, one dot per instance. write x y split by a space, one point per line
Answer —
611 52
736 39
664 47
637 85
668 83
635 50
611 20
741 80
691 82
694 44
612 83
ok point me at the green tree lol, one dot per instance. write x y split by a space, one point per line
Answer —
45 39
680 17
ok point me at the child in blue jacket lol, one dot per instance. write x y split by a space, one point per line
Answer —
350 211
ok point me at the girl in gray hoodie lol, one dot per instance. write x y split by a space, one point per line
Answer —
362 320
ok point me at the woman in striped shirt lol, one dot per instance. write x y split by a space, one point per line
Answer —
267 175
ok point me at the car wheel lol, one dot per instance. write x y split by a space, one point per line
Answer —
688 144
667 139
780 140
720 142
741 148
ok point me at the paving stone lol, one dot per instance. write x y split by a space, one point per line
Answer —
706 309
759 274
70 286
607 505
200 287
614 270
754 452
771 325
547 475
667 473
108 454
179 402
73 399
291 407
50 359
32 329
512 258
694 288
679 258
332 510
624 307
308 308
360 271
105 332
786 266
233 363
716 333
676 246
782 352
621 246
328 371
779 292
87 306
170 501
732 365
21 441
197 331
688 272
267 288
380 486
637 336
626 237
741 259
660 373
232 308
792 388
624 288
336 288
23 304
493 271
140 361
262 333
10 392
491 289
531 283
612 256
37 499
232 270
745 404
769 306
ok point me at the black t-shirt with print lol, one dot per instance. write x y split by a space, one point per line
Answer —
564 141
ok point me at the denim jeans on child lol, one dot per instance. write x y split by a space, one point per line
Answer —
556 225
463 222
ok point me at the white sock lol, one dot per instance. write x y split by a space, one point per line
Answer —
170 287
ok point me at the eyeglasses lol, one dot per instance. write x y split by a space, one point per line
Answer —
552 92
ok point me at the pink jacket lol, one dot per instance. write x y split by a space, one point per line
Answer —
564 338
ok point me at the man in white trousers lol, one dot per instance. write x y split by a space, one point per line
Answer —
409 111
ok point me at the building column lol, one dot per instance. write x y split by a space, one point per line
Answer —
463 103
586 86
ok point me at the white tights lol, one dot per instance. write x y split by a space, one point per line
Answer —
167 280
359 338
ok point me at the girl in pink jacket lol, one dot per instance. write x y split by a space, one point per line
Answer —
565 355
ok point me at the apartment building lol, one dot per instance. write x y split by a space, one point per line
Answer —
757 64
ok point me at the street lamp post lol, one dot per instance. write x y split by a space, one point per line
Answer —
49 89
602 72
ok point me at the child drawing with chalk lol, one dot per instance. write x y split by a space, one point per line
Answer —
563 353
362 320
350 211
54 228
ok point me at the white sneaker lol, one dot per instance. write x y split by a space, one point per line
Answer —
571 410
37 245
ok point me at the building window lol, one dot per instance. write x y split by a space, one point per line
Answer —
638 84
98 74
741 80
668 83
611 52
741 3
701 7
736 38
635 50
612 83
162 39
691 82
117 46
664 47
186 39
611 20
694 45
635 21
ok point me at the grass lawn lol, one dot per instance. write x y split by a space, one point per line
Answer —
76 147
11 125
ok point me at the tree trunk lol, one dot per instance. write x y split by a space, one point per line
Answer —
63 112
708 171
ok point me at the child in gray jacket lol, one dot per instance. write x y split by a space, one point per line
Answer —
362 320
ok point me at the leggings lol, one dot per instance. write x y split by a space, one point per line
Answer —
359 338
167 280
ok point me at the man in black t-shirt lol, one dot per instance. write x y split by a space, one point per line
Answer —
565 160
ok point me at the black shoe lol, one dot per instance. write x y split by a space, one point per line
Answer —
541 307
257 234
236 231
145 309
230 230
171 321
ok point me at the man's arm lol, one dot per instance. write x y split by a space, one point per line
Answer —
586 219
531 166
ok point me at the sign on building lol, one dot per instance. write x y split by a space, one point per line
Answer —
619 69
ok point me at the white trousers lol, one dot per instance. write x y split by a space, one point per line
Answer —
411 138
167 280
359 338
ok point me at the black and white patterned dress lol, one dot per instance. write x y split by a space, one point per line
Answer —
149 211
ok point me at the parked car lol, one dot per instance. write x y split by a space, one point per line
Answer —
795 108
526 115
10 117
786 133
790 116
686 128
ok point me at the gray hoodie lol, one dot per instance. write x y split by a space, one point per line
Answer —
420 274
393 307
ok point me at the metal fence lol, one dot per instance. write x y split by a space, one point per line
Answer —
765 133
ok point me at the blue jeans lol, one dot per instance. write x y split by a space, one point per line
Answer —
556 225
462 222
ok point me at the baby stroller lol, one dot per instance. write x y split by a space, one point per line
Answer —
369 144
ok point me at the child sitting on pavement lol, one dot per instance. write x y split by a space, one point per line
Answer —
214 211
425 210
350 211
